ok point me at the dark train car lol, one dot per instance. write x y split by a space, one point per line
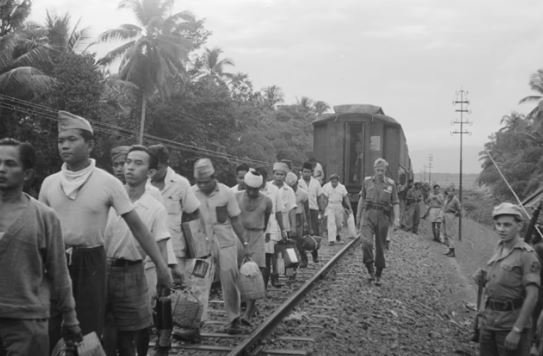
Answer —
348 142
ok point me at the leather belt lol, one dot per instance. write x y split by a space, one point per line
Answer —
504 305
121 262
375 207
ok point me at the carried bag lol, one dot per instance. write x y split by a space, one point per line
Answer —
251 282
186 309
198 244
291 255
311 243
90 346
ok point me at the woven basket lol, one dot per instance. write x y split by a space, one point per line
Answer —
251 283
186 309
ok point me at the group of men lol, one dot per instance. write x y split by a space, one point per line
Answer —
96 249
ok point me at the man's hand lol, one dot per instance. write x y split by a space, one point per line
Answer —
72 334
164 278
284 235
246 253
480 277
177 274
397 223
511 340
267 237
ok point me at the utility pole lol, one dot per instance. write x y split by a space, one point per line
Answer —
461 104
430 159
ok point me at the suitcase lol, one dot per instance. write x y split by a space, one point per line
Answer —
90 346
197 242
289 252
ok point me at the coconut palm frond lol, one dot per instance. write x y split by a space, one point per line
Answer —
116 53
26 77
530 98
123 32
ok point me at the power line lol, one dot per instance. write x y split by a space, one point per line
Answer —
48 113
461 104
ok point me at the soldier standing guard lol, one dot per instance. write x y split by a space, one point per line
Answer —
378 200
511 280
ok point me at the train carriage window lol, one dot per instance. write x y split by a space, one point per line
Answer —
356 156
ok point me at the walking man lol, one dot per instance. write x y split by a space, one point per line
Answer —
337 197
451 209
378 200
220 212
301 216
435 211
314 190
241 171
82 194
32 261
128 292
256 210
511 279
413 199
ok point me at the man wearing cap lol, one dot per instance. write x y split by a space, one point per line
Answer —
301 216
32 260
220 212
256 209
378 201
451 209
82 194
511 280
314 190
241 171
413 199
337 197
285 216
118 158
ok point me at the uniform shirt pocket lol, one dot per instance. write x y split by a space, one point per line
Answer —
173 205
511 275
222 214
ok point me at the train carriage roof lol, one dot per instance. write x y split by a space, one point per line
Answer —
349 109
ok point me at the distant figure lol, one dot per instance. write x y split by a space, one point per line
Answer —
241 171
337 197
413 199
318 171
314 190
435 211
451 210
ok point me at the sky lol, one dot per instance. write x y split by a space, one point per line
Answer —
411 57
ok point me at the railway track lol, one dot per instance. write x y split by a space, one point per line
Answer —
271 312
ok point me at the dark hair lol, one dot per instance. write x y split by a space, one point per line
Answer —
242 167
160 152
436 186
153 161
308 165
27 154
263 172
87 135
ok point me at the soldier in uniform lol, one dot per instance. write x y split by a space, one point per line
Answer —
511 279
413 199
378 200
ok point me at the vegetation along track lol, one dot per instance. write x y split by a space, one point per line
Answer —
271 311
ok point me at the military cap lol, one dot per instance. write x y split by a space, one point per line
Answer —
308 165
253 179
119 151
380 162
507 209
333 175
203 168
69 121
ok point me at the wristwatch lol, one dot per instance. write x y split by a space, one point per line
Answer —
245 243
517 330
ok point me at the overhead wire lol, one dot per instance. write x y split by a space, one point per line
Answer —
46 112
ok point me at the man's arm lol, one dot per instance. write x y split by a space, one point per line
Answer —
512 339
146 241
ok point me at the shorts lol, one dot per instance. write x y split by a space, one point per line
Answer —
128 298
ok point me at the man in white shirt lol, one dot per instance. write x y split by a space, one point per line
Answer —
241 171
337 196
128 292
314 190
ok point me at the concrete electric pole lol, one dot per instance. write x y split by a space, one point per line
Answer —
461 104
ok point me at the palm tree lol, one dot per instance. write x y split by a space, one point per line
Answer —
211 65
272 95
536 84
155 50
320 107
20 56
62 36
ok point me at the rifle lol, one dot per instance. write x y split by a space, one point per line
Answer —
532 225
480 288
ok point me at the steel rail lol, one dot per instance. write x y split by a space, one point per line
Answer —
269 324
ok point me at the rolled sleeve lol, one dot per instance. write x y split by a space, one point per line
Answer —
232 205
119 197
531 269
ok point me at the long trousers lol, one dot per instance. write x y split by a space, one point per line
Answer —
22 337
376 222
227 262
448 229
492 343
412 217
335 215
314 222
88 272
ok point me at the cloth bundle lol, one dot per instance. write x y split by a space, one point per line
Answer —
251 282
90 346
311 243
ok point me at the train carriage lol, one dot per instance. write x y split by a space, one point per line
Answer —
348 141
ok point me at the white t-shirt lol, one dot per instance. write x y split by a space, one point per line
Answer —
120 243
286 201
313 190
84 219
335 195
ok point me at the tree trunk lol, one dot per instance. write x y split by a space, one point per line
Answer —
142 119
